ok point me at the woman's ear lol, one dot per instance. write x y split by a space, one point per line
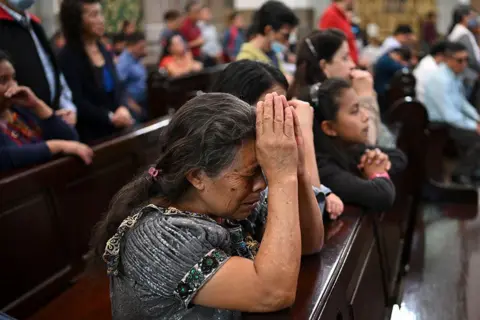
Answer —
328 128
197 179
323 67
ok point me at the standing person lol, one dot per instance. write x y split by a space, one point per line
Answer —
429 29
273 22
190 30
133 74
23 38
459 32
173 21
234 36
335 16
211 49
90 72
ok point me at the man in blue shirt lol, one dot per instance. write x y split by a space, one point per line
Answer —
385 68
446 102
133 74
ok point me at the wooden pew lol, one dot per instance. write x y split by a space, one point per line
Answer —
402 85
165 94
47 214
410 117
343 281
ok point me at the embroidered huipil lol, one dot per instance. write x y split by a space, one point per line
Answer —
160 257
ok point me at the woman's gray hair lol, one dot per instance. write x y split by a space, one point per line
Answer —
205 134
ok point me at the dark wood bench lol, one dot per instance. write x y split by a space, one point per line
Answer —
402 85
168 94
47 214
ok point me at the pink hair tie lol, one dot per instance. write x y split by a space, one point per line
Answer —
153 172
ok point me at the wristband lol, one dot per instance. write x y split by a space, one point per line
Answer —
379 175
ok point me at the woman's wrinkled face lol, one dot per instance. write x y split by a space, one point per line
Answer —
93 20
235 192
341 64
7 80
351 124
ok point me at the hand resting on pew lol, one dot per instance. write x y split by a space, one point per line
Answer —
200 237
30 132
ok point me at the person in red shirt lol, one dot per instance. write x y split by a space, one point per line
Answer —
335 17
190 30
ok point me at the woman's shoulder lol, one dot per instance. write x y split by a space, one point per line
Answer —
165 61
168 225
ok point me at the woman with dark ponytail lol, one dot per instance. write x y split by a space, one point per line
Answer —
193 237
323 55
359 174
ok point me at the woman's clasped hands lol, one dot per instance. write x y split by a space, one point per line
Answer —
280 149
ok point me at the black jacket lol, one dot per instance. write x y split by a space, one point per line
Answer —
93 103
377 194
15 39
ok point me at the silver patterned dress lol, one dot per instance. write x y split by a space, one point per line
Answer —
160 257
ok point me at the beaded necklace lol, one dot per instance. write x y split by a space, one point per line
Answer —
19 131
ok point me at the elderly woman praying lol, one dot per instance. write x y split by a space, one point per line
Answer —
197 236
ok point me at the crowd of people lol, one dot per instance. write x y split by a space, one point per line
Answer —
246 174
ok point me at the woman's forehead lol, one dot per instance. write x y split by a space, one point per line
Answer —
6 68
246 158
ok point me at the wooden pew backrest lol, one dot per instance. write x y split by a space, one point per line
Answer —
47 214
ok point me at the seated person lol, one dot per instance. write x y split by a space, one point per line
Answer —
133 74
176 60
251 81
427 66
173 22
357 173
386 67
325 54
234 36
119 43
30 133
91 73
197 224
274 21
446 102
403 36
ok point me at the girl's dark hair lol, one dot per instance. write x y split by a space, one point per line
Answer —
327 97
248 80
459 13
319 45
71 12
205 134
